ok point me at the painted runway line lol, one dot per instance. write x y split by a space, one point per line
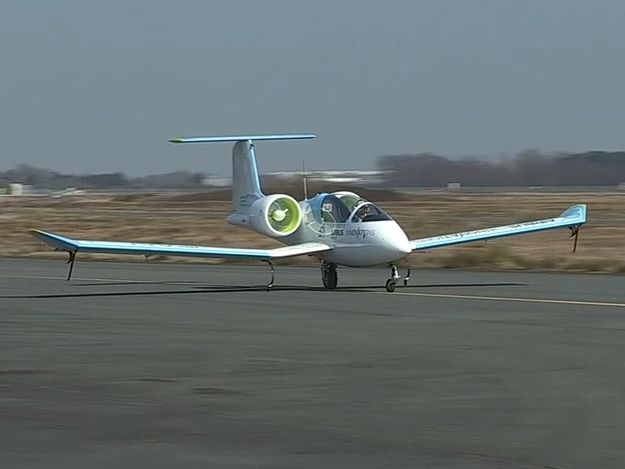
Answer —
513 299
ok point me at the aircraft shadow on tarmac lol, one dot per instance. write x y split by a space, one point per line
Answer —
200 288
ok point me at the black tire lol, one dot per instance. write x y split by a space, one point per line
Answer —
330 279
390 285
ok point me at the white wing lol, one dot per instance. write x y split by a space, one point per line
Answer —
113 247
571 218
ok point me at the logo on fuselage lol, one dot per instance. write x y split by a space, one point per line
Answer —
361 233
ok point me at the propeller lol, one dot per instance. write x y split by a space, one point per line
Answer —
284 215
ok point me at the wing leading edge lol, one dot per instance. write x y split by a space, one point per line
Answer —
572 218
149 249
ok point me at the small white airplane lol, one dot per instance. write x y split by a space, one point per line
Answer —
339 228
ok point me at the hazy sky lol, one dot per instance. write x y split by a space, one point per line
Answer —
100 85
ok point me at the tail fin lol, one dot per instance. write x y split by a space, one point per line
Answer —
245 182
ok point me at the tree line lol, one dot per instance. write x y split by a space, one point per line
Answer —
528 168
45 178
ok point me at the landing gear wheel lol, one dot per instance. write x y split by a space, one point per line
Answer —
329 276
330 279
391 283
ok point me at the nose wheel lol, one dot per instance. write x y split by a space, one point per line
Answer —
329 276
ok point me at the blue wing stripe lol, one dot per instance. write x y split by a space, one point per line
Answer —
572 217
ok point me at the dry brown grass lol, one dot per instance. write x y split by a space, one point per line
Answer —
172 219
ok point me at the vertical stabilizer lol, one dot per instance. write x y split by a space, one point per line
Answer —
245 180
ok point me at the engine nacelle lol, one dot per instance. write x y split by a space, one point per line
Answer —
274 215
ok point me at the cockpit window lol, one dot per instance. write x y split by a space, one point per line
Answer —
333 210
369 212
351 201
340 206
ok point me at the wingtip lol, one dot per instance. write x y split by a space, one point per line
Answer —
576 211
175 140
40 234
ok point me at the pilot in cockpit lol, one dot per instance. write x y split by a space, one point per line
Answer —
369 212
362 213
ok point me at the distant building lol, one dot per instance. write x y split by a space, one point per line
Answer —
338 176
216 181
16 188
365 178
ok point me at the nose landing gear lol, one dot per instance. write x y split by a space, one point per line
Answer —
391 283
329 276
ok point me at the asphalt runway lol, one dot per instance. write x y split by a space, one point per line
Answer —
170 365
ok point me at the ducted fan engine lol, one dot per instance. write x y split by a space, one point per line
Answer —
276 215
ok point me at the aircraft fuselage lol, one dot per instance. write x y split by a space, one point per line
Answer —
354 242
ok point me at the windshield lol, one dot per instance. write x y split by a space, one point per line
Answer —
339 207
350 200
333 210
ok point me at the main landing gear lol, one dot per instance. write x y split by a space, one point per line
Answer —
395 277
273 275
328 275
71 261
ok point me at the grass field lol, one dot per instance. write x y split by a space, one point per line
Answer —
199 220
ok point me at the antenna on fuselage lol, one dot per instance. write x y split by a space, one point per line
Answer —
304 180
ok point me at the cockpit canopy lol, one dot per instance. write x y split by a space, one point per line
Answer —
369 212
341 207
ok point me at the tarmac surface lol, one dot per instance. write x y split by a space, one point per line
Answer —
169 365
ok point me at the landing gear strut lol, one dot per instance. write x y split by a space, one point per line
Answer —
391 283
328 275
575 235
71 261
273 275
